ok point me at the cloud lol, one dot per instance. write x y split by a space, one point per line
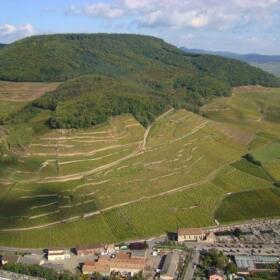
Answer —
174 19
9 32
99 9
103 10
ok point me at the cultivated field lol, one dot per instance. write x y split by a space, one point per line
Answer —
14 96
121 181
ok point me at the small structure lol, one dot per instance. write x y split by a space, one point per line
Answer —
58 255
210 237
90 250
168 266
190 234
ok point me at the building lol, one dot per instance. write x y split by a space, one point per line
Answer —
58 255
101 266
168 266
127 266
255 263
123 263
191 234
90 250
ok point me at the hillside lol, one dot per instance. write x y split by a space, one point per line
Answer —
114 74
270 63
117 180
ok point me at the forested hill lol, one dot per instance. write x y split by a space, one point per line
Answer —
111 74
65 56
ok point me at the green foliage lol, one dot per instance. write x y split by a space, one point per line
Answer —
134 74
90 100
235 72
249 166
250 204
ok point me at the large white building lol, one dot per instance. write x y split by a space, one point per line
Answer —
58 255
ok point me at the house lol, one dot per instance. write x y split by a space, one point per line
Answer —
168 266
191 234
90 250
58 255
123 263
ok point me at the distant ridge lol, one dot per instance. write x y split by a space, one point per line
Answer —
2 45
270 63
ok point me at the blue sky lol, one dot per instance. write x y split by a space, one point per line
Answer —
243 26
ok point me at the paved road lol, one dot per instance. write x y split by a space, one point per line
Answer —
194 257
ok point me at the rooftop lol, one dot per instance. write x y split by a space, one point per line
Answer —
248 262
190 231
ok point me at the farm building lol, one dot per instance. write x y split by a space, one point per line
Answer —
191 234
90 250
168 266
58 255
247 264
123 263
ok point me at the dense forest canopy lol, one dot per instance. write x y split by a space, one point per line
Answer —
111 74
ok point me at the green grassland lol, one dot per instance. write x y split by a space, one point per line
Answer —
248 205
120 181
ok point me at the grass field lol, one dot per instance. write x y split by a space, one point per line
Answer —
248 205
120 181
14 96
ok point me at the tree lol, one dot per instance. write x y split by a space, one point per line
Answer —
231 268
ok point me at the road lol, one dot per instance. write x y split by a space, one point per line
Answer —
194 258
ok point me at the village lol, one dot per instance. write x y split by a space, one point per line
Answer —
245 250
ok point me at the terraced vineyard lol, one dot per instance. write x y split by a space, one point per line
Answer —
121 181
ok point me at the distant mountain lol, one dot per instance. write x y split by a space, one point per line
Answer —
2 45
270 63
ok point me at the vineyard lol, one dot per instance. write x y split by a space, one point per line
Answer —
120 181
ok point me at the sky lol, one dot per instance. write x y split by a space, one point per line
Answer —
243 26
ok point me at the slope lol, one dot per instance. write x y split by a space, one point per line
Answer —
118 180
